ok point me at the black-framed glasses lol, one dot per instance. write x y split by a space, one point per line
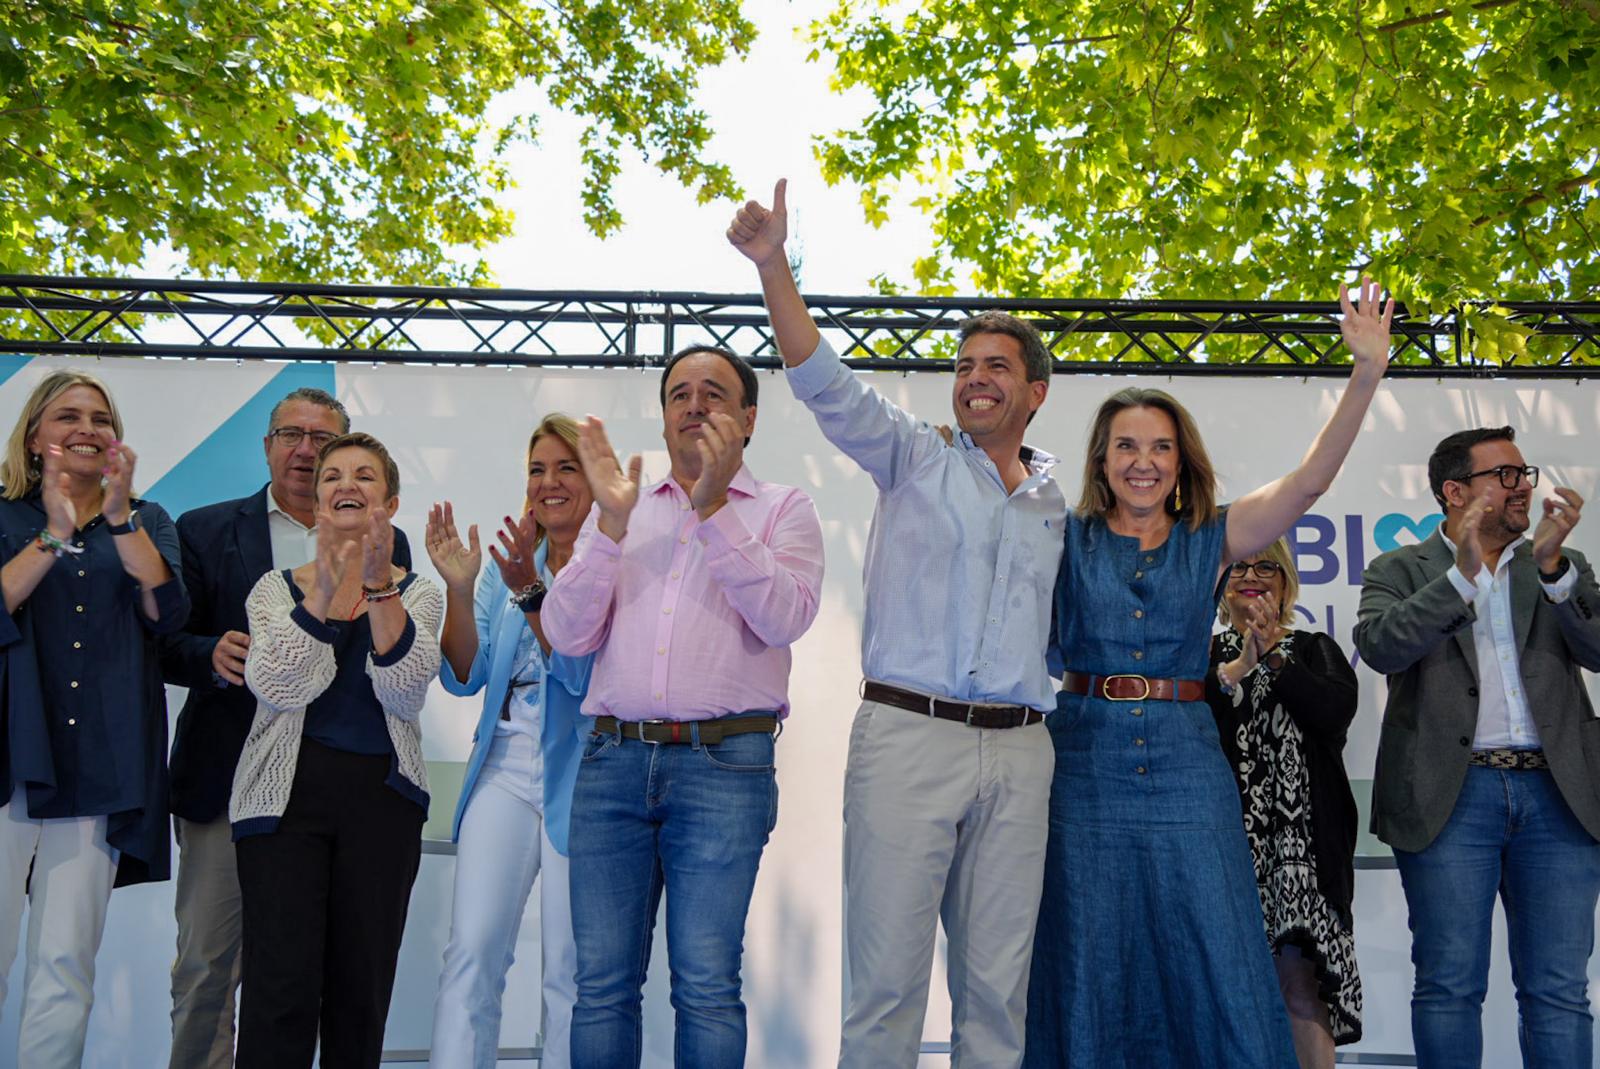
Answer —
291 437
1263 569
1508 474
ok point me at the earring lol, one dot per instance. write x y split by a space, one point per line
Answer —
1177 497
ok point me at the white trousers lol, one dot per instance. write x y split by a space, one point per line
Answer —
73 870
503 846
942 822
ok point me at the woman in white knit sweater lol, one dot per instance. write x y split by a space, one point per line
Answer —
331 792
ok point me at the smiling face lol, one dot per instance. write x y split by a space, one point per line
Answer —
79 420
351 485
1246 585
1141 462
992 396
1509 515
557 491
701 384
294 467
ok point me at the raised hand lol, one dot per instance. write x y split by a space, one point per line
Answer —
61 515
118 471
377 551
456 563
1365 327
721 449
332 561
1469 538
615 491
519 540
1561 515
760 232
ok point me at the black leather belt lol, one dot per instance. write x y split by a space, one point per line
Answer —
973 714
670 731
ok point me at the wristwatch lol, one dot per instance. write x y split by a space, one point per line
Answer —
128 526
530 598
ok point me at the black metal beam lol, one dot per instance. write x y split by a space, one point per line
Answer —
544 328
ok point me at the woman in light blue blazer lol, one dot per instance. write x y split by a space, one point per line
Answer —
512 821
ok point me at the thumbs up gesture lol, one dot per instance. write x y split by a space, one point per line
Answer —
759 232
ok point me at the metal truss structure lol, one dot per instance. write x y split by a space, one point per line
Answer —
166 318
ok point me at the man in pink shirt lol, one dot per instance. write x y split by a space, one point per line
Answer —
689 592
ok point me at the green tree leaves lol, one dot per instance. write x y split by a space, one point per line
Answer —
1234 148
309 139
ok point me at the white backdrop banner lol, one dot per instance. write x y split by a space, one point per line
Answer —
459 434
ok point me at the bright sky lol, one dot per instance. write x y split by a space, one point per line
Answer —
765 111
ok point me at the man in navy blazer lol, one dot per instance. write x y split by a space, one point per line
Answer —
226 548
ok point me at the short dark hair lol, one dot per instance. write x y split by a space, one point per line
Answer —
316 397
360 440
747 374
1452 457
1036 360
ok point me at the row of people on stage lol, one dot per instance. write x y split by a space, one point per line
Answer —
1147 864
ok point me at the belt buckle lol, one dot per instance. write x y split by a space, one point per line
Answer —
1108 696
653 723
971 708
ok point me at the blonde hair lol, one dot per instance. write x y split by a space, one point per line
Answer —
21 469
1197 482
1280 554
559 425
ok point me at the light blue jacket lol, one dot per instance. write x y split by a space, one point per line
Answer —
562 728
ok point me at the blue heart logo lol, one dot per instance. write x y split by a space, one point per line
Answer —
1396 529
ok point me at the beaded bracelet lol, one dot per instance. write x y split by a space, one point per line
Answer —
383 593
49 543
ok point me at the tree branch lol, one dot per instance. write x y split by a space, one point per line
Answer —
1561 190
1435 16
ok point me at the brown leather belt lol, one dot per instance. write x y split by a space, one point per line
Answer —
973 714
1131 688
670 731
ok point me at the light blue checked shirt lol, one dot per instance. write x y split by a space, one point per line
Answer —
959 574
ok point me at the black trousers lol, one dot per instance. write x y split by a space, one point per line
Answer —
325 899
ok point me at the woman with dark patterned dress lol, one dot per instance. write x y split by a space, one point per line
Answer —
1283 701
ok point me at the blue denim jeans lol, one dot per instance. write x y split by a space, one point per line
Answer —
1511 833
688 819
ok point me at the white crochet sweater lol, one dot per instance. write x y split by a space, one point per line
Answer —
288 667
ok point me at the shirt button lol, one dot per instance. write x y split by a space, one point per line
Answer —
80 608
667 611
674 575
661 651
1138 742
81 573
77 645
1149 560
1138 614
1138 575
74 684
658 695
1140 770
72 723
685 538
1138 655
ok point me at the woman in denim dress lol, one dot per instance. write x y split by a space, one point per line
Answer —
1150 948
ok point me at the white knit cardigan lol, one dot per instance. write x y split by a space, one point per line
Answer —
288 667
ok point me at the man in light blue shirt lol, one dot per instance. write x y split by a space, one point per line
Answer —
947 785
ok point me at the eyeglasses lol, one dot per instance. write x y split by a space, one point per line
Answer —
291 437
1508 474
1263 569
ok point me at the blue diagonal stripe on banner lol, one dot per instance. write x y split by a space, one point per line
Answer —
11 363
230 461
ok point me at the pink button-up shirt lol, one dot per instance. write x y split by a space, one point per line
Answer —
692 619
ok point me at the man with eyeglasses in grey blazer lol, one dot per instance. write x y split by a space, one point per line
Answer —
1490 751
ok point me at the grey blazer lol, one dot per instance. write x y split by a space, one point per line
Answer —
1414 627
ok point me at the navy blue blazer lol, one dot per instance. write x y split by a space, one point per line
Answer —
226 547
